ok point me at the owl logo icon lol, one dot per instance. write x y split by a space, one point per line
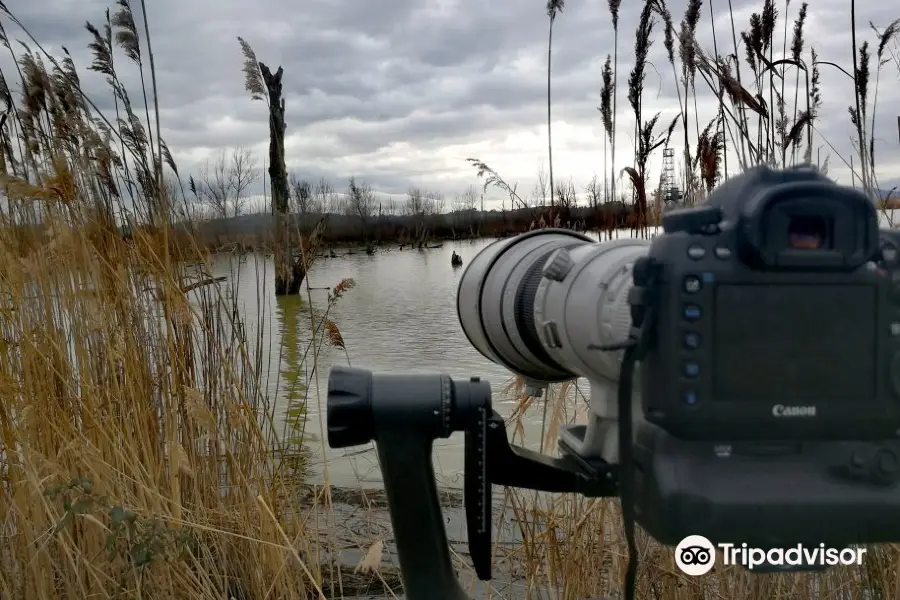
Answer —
695 555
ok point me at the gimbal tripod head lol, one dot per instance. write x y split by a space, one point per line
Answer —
404 415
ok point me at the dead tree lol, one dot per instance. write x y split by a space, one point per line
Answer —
289 271
361 203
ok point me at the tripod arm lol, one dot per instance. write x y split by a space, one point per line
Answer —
422 548
404 415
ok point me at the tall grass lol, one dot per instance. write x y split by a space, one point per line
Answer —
767 84
140 452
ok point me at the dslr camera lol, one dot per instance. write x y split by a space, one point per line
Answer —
744 370
771 387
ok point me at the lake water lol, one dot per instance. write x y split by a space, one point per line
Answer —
400 317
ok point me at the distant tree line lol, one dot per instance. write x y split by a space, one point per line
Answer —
223 187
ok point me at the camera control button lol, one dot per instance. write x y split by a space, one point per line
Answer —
885 466
858 466
692 312
692 284
696 252
691 397
551 335
691 369
723 253
691 340
858 459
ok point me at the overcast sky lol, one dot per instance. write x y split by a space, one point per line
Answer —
399 93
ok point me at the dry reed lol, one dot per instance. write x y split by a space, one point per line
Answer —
140 455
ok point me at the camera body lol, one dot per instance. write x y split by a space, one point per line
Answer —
771 386
778 315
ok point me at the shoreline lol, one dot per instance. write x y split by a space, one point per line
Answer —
358 519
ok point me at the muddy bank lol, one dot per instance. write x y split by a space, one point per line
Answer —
357 519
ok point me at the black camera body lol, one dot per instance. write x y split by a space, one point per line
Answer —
766 494
778 316
771 385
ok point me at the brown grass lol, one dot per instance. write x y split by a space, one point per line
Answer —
139 453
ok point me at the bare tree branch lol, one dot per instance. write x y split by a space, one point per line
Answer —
222 183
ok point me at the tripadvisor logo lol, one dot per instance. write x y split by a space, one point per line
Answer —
695 555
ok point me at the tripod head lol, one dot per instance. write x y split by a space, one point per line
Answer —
404 415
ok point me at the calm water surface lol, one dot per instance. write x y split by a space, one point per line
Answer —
399 318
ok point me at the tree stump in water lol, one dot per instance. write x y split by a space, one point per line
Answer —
289 273
286 286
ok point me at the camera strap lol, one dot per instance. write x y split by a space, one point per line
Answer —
643 300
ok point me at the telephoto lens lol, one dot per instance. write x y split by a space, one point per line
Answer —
537 303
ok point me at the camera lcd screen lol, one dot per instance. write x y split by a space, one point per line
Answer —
794 344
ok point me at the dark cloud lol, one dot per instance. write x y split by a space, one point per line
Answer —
401 92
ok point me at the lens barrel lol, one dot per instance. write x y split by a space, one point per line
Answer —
538 302
495 301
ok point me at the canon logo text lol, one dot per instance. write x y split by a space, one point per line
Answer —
780 410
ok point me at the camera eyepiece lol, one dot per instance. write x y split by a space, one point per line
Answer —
798 220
